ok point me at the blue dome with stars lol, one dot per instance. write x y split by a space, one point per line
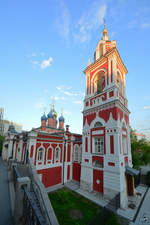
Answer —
44 117
61 119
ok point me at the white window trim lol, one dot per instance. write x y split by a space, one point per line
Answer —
58 155
42 158
47 154
76 150
94 147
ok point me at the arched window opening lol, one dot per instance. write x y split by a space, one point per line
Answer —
100 83
76 153
40 154
57 154
98 124
119 80
97 164
49 154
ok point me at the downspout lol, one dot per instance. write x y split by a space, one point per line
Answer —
64 151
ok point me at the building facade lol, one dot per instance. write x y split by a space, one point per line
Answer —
54 151
106 135
99 159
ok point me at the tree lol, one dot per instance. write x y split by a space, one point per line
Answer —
140 150
1 143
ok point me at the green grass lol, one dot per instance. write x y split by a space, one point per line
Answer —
65 200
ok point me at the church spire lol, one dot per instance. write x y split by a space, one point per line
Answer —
105 35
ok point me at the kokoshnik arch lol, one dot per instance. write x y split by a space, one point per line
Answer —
100 160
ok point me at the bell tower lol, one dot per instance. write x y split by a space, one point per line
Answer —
106 151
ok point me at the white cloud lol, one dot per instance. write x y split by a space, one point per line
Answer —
67 113
70 94
46 63
56 98
147 107
59 88
63 24
77 102
88 22
35 62
66 92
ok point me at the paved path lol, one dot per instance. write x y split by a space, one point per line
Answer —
5 211
144 213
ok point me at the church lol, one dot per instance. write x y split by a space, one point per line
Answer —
100 159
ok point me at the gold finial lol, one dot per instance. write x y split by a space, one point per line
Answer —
104 23
105 35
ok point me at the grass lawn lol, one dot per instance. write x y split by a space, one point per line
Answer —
73 209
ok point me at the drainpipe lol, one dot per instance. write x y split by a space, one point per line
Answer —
64 151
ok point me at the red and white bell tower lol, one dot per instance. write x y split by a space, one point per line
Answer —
106 151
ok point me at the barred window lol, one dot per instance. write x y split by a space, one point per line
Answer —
40 154
76 153
99 145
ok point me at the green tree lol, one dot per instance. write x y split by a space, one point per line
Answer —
140 150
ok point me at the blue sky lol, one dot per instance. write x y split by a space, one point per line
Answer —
45 46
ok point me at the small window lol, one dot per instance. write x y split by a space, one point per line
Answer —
99 145
97 164
76 152
124 144
98 124
40 154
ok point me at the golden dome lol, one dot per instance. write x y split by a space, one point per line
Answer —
54 112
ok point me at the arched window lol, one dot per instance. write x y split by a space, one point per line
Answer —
49 154
40 154
76 152
100 83
97 164
119 80
57 154
98 124
124 139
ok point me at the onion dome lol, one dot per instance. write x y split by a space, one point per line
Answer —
44 117
11 129
50 115
61 119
